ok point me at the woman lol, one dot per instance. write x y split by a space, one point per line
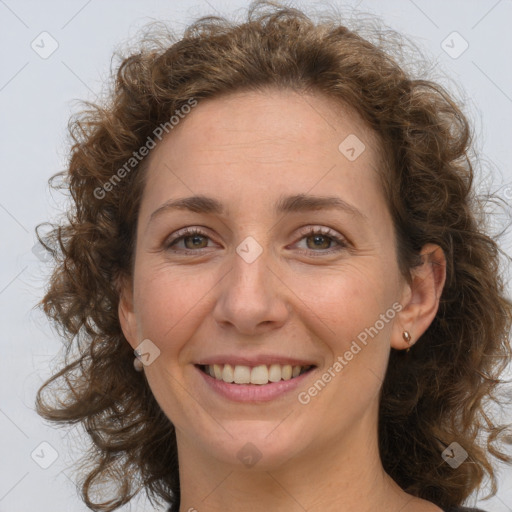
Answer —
280 224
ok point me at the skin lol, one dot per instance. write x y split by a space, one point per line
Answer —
296 299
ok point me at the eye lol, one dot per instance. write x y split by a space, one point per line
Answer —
192 238
319 240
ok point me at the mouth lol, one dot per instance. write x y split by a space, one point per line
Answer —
254 383
259 375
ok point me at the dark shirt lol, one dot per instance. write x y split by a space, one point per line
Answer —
463 509
452 509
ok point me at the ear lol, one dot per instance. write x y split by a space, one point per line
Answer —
420 298
126 311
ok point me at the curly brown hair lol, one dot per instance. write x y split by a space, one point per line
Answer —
437 393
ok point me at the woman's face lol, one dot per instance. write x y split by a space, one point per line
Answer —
277 274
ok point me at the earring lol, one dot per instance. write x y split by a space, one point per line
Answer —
407 338
137 363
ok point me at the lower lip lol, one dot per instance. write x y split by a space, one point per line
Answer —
253 392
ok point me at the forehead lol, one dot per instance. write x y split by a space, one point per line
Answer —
266 142
272 117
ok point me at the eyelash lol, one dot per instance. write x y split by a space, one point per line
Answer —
307 232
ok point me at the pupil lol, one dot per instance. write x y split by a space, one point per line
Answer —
195 239
318 240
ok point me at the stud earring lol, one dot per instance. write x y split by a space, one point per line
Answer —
407 338
137 363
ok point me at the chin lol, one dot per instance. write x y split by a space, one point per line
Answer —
255 444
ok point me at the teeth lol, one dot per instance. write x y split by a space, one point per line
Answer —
286 371
228 373
261 374
274 373
242 375
217 370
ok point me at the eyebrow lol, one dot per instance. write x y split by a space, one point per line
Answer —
285 204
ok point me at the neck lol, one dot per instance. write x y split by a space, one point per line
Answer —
334 476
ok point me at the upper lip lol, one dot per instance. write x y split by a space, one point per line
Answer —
266 359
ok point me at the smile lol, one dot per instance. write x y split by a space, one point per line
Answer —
258 375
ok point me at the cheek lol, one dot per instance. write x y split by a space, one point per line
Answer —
348 300
169 304
350 303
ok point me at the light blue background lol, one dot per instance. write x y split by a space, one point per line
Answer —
36 99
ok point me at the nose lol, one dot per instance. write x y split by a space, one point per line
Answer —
252 297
